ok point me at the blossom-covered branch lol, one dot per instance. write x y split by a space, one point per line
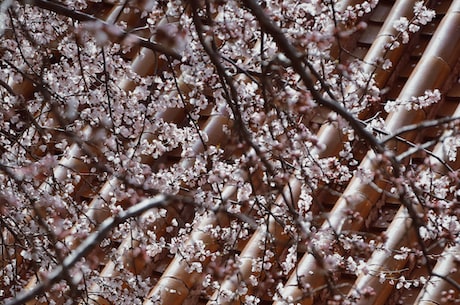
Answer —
296 61
115 33
88 245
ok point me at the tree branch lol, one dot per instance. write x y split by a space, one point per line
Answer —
120 34
419 126
88 244
295 58
297 64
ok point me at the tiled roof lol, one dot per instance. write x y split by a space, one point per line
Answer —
428 61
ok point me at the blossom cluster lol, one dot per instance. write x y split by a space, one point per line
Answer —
405 27
429 98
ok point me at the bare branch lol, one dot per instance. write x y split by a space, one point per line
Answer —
419 126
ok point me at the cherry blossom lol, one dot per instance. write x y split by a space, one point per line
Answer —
212 139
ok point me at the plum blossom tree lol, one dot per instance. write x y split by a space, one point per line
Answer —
162 152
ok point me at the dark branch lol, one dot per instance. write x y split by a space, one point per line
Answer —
82 17
88 244
297 64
